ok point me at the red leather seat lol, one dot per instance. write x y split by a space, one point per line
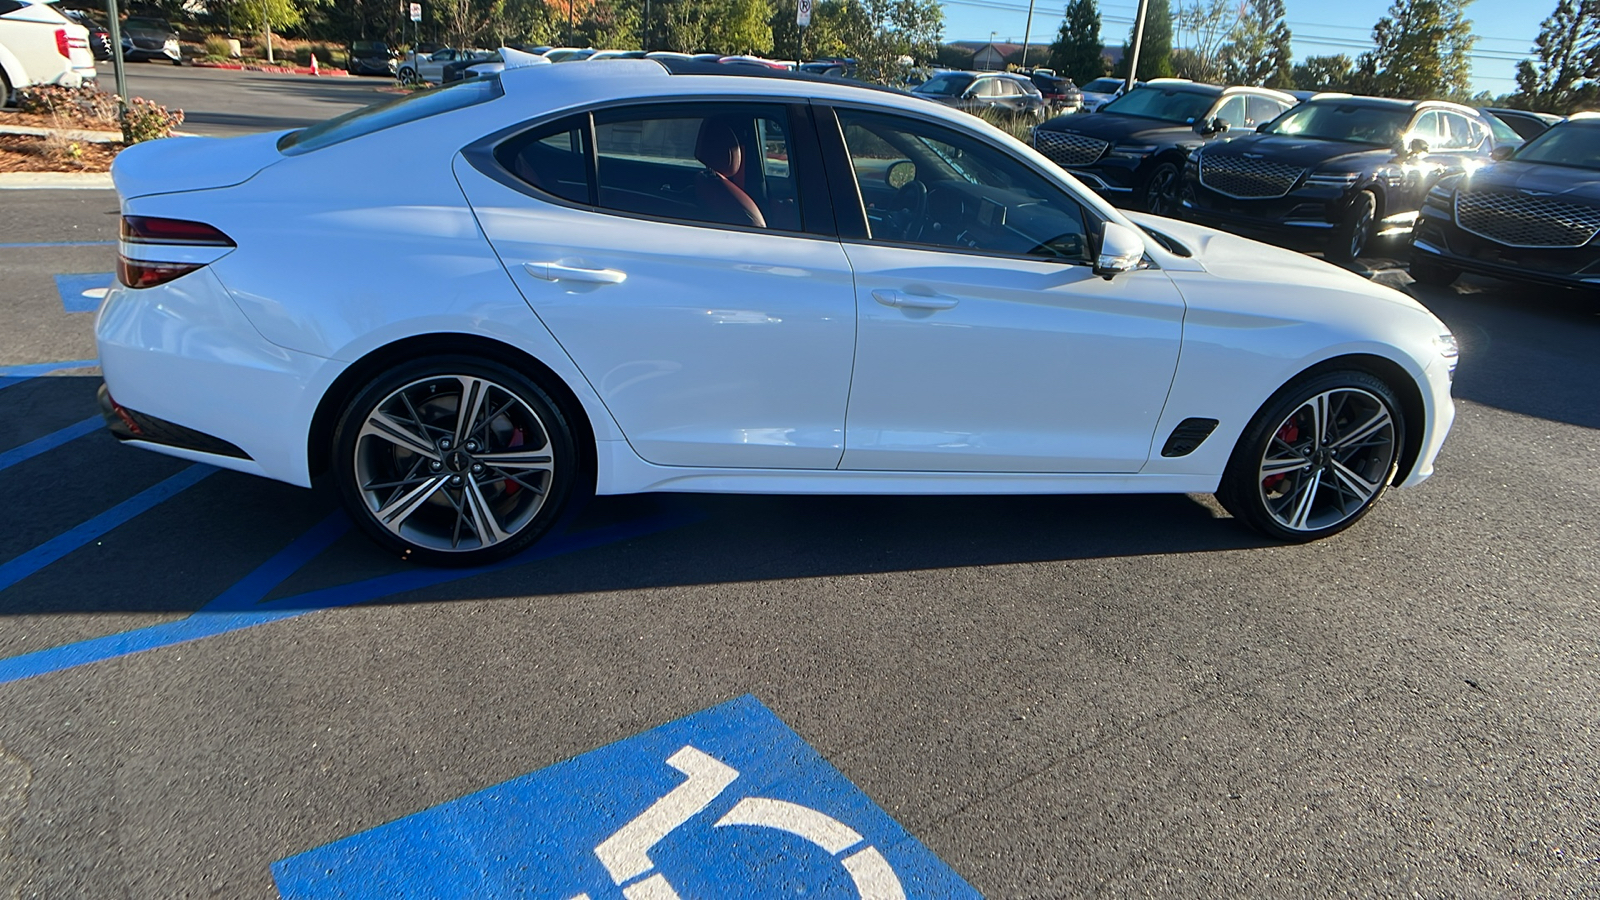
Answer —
718 188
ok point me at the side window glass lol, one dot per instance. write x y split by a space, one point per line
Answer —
1261 109
552 158
925 184
1427 128
1233 111
988 87
726 164
1462 136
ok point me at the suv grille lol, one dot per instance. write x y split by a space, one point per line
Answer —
1519 220
1253 179
1067 149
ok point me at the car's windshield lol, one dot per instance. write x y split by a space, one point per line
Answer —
1332 120
1167 104
1103 86
944 85
398 111
1574 145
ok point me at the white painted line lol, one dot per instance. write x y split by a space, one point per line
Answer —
626 854
653 888
823 830
874 878
55 181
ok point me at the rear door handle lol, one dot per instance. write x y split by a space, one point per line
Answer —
903 300
550 271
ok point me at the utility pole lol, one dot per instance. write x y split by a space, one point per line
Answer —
1138 40
119 73
1027 32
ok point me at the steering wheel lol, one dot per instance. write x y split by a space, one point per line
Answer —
911 209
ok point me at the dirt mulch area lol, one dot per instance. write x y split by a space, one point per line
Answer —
42 120
21 153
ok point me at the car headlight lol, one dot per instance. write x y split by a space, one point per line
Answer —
1334 179
1449 351
1132 151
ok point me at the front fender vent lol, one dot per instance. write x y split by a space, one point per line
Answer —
1188 436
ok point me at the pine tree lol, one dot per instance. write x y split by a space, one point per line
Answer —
1155 56
1421 50
1568 54
1077 52
1324 73
1258 50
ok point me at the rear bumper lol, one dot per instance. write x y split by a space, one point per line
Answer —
131 425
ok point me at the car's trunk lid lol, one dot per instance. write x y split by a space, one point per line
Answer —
174 165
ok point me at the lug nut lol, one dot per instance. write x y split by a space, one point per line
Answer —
455 479
472 446
476 468
435 465
444 443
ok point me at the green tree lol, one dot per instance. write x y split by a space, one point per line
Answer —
1077 52
1155 55
1566 50
1421 51
267 16
1258 50
1324 73
1204 27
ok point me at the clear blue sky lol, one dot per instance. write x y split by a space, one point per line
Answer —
1505 28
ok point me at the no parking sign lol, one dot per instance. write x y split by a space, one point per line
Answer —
725 803
802 14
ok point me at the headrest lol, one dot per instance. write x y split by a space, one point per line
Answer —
718 148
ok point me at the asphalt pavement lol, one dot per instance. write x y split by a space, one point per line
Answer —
206 680
226 102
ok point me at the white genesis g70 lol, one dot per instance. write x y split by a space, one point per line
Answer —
469 305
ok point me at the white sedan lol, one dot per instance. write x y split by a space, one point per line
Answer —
470 304
38 45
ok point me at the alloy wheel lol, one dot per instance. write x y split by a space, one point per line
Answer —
453 463
1360 234
1327 459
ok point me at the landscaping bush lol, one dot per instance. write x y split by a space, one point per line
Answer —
147 121
217 47
86 104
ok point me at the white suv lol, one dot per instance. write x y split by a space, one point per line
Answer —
41 46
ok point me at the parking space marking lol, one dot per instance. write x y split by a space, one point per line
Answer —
48 552
50 441
83 293
10 375
240 606
726 802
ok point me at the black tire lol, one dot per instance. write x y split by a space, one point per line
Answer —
1354 234
1158 195
1266 489
5 90
1426 271
500 470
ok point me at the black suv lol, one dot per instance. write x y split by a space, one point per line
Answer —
1532 217
1133 149
978 92
1337 170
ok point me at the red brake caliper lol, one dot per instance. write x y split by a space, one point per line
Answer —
511 487
1289 433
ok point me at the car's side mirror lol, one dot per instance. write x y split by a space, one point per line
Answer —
1121 250
1503 152
1214 125
1413 147
1262 128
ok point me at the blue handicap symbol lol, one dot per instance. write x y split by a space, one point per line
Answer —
725 803
83 293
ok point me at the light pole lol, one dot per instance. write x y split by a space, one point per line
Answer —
1027 32
119 74
1138 40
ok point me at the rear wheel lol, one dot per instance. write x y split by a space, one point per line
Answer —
1426 271
454 460
407 75
1316 458
5 90
1354 233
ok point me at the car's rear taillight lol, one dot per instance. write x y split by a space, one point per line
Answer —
146 273
62 47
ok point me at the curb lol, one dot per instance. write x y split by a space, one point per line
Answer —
56 181
71 134
275 70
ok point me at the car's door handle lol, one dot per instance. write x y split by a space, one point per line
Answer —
903 300
550 271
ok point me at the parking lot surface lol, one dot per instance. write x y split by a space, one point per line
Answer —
210 686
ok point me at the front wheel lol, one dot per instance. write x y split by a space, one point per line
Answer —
1350 239
1160 192
1316 458
407 76
454 460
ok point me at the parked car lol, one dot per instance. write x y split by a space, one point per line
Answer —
1335 171
593 282
99 35
832 68
979 92
617 54
1524 122
144 38
373 58
1133 149
38 45
570 54
1101 91
1060 94
1532 216
430 68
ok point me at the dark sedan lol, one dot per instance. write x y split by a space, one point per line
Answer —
149 39
372 58
1531 217
979 92
1336 170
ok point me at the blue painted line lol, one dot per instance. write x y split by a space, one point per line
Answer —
34 370
83 293
37 244
50 441
48 552
727 802
238 607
